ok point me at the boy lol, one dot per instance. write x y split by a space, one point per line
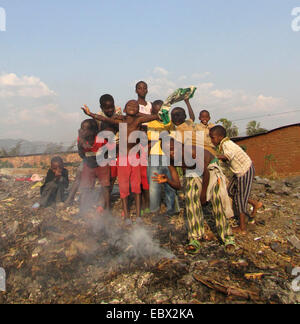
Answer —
127 172
205 126
88 147
57 181
142 91
108 109
198 189
158 165
242 167
183 125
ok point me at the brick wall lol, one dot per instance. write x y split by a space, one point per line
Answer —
40 160
275 153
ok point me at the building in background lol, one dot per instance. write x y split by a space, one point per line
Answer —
275 153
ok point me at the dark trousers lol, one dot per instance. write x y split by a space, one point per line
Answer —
54 192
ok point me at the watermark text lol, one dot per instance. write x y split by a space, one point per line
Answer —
2 280
296 21
2 20
296 282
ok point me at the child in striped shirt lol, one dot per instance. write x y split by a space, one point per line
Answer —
242 167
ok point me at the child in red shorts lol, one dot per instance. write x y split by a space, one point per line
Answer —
129 173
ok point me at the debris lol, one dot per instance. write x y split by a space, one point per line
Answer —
254 276
228 290
55 255
295 242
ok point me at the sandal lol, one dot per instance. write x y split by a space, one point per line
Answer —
194 247
230 246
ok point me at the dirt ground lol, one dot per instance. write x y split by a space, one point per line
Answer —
57 256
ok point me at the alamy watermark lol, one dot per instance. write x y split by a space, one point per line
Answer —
2 20
296 21
175 146
2 280
296 282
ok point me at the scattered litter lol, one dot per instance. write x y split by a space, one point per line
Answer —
295 242
36 206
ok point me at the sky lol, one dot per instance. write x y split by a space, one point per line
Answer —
55 56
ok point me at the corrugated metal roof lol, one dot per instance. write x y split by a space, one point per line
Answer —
236 139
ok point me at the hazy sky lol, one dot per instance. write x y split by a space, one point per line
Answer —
57 55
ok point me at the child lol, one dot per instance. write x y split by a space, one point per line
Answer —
158 165
88 147
128 174
198 189
183 125
242 167
142 91
57 181
108 109
205 126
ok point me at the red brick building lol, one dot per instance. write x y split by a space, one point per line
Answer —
275 153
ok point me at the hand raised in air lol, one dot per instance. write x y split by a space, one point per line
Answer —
86 110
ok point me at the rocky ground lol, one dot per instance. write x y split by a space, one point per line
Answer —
57 256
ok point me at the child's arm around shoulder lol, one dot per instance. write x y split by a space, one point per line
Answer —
147 119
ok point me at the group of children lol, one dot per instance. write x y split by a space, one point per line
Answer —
146 181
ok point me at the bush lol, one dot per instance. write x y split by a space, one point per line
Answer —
6 165
26 166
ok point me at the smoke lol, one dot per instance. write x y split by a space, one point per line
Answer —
125 243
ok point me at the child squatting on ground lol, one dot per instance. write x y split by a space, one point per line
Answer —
57 181
243 169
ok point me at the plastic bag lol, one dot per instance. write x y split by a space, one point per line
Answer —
179 95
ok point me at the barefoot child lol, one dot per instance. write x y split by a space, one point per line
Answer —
88 146
128 174
242 167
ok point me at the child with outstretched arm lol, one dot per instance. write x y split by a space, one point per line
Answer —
127 172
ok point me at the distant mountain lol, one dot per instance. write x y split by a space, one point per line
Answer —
13 147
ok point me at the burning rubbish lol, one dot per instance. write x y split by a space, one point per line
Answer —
58 256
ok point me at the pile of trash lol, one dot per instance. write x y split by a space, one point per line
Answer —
55 255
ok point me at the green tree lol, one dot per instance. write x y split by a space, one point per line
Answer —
231 129
254 128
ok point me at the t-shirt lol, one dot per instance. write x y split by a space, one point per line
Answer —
207 140
146 109
188 133
239 160
154 129
91 153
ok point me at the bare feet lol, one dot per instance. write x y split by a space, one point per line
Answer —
258 205
239 230
209 237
